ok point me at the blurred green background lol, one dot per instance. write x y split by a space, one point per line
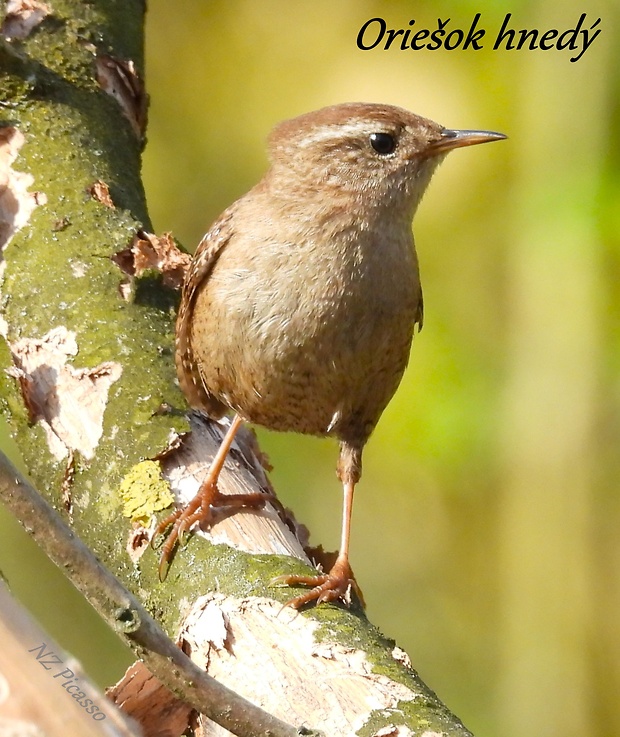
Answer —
485 530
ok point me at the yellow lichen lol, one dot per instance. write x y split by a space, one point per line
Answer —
144 492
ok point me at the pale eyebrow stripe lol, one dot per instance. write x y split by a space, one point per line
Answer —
325 133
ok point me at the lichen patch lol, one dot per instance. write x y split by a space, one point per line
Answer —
144 492
68 402
274 658
16 202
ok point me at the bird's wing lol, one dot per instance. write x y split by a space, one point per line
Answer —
200 267
419 314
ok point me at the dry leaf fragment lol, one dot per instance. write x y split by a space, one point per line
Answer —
121 81
148 251
100 191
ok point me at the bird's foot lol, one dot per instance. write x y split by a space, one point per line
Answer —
337 584
200 509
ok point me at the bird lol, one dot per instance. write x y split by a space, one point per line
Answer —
300 304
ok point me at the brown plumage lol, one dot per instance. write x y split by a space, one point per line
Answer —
299 307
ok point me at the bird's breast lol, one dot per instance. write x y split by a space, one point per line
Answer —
303 337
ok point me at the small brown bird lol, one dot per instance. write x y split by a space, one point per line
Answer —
299 307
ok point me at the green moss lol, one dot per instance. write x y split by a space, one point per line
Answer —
419 714
59 269
11 401
16 75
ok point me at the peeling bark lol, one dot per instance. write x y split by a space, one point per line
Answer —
302 677
16 202
21 17
144 698
270 530
69 403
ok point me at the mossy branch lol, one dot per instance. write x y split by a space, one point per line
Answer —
90 396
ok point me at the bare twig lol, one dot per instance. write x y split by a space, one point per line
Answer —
129 619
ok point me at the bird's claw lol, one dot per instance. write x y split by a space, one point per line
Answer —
335 585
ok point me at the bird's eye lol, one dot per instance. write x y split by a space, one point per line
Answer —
383 143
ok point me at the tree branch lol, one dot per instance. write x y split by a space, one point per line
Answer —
90 395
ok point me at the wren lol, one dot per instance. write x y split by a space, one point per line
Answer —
299 307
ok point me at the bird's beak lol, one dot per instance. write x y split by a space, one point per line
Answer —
455 139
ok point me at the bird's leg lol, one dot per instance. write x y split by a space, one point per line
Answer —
338 583
208 496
